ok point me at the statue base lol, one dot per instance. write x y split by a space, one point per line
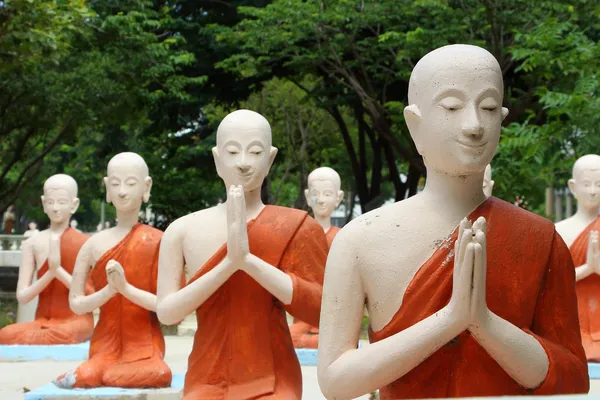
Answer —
57 352
50 391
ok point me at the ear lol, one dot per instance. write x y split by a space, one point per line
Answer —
412 116
108 198
571 184
307 196
75 205
272 154
492 185
340 197
504 112
42 197
146 196
216 158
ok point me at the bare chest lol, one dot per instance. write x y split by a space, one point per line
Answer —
199 245
102 244
390 262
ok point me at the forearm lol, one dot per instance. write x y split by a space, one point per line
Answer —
140 297
27 294
176 306
63 276
271 278
360 371
82 304
517 352
582 272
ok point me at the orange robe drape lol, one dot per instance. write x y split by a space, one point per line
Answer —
127 348
304 335
530 283
588 296
54 322
242 348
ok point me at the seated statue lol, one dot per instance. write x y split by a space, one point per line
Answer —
580 233
446 318
31 231
323 196
127 348
250 263
51 254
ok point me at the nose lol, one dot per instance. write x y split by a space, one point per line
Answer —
242 166
472 125
122 192
321 199
55 207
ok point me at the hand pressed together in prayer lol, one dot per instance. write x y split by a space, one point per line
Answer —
237 231
54 254
468 301
115 275
593 253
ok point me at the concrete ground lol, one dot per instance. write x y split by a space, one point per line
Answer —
15 376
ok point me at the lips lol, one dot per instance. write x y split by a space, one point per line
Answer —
472 145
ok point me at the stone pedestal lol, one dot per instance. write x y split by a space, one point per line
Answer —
188 326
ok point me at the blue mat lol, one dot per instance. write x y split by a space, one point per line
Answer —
59 352
50 390
594 370
307 357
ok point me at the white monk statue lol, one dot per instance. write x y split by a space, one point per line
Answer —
467 295
580 232
127 347
50 255
323 195
249 263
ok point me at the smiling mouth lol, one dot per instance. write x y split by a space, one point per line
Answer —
473 145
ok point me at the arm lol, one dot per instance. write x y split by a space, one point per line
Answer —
582 272
115 276
173 302
271 278
517 352
63 276
79 302
346 372
27 291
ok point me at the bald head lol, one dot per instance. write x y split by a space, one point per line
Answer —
61 181
589 162
456 57
325 174
130 161
242 122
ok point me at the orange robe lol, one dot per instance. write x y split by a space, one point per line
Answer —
54 322
588 296
127 348
242 348
530 283
304 335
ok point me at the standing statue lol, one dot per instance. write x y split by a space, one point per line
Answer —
127 348
33 230
8 219
580 233
323 196
250 263
467 295
51 254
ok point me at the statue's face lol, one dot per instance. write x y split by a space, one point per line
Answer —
59 205
244 157
460 108
323 197
585 186
127 185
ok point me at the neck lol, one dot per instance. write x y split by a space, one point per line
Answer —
59 227
586 214
324 221
254 204
458 194
127 219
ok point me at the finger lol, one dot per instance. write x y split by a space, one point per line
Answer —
479 278
466 273
229 204
464 242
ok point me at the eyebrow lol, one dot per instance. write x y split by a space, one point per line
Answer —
449 91
256 143
491 91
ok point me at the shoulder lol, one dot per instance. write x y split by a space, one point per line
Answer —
179 227
520 219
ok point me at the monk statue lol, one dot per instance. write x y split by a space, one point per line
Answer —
33 230
51 255
249 264
323 195
446 319
580 233
127 348
488 183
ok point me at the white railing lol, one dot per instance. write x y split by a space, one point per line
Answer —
11 242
